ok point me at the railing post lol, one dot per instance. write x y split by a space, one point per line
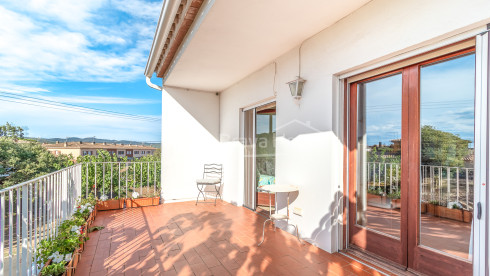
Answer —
467 190
25 199
11 231
2 232
457 185
119 181
448 176
111 178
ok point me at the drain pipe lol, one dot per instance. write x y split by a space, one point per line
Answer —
152 85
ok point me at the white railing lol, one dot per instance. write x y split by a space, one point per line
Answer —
32 211
438 183
117 179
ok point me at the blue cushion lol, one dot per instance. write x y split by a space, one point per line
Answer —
266 180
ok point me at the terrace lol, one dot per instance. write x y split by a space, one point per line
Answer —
185 239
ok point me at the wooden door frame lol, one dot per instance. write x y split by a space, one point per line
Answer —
417 257
422 258
387 247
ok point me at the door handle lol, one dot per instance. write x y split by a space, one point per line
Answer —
478 210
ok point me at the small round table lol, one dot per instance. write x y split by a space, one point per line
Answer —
276 188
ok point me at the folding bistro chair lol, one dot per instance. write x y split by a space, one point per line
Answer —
211 177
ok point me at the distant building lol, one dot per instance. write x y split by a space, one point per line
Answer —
80 149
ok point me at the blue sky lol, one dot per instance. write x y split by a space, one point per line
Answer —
91 53
447 101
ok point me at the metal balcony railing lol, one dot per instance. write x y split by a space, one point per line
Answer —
438 183
33 210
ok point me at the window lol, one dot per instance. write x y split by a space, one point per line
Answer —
121 152
137 152
128 152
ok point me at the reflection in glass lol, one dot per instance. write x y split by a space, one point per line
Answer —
265 146
446 138
379 154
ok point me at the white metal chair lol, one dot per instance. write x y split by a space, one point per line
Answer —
212 176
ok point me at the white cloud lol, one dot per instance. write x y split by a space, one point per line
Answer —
20 89
97 40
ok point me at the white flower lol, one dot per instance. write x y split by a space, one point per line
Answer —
104 197
68 257
76 229
90 209
87 205
135 194
56 257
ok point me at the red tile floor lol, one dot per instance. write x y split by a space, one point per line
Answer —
185 239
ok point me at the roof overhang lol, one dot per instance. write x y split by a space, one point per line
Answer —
209 45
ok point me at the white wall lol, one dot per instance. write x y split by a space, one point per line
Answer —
190 125
308 149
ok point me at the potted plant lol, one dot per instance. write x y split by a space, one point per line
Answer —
432 208
454 212
60 254
395 200
467 216
110 204
149 198
423 207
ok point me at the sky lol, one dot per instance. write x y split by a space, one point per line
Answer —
76 68
447 92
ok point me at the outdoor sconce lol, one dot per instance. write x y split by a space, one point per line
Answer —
296 87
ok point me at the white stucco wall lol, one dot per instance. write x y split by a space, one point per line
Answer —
200 127
308 146
190 125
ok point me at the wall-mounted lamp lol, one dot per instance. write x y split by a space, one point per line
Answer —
296 87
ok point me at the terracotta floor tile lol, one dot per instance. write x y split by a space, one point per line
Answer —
185 239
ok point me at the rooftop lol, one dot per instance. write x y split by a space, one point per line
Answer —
185 239
82 145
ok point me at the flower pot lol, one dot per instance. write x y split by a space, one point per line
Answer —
45 265
128 203
423 207
145 201
467 216
454 214
396 203
72 265
432 209
111 204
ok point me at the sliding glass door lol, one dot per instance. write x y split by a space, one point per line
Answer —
411 172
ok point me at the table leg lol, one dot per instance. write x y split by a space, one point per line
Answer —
263 231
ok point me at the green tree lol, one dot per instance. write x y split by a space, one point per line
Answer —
442 148
24 160
105 173
9 130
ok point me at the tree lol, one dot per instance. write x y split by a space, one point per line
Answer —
9 130
27 160
442 148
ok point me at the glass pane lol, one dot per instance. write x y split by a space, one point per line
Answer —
265 146
379 154
447 137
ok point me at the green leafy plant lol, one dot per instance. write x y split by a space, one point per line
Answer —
434 202
95 228
394 195
59 249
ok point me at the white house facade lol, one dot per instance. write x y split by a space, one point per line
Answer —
379 77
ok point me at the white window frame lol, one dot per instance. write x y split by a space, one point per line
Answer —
481 253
